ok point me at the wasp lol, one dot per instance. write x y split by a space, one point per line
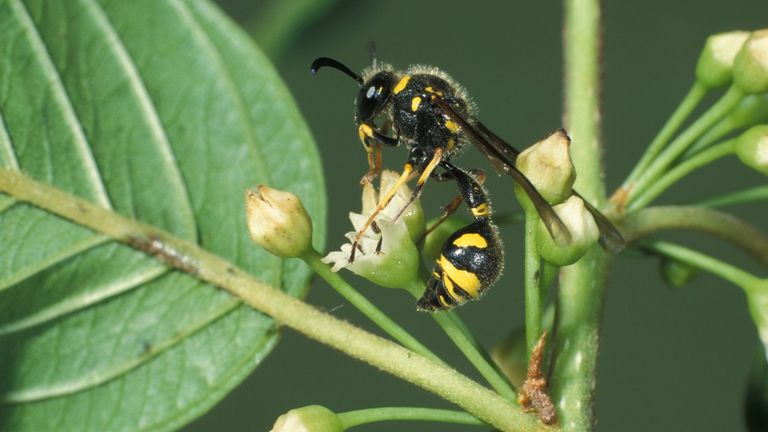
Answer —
424 110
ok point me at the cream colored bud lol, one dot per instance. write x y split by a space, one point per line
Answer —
312 418
584 233
752 148
750 68
548 166
715 67
278 221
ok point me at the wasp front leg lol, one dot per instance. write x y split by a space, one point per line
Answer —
372 141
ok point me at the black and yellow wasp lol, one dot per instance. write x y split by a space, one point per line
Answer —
431 115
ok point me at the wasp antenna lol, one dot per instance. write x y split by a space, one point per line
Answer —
372 53
326 61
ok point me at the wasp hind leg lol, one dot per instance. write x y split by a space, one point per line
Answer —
471 259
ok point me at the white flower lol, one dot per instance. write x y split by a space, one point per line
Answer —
387 254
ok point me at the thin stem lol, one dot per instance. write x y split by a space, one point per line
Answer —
582 285
723 106
313 259
288 311
723 225
704 262
457 332
758 193
686 167
532 272
686 107
373 415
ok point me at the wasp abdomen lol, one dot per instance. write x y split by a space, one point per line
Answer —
470 262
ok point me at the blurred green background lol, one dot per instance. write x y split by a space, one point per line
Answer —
672 359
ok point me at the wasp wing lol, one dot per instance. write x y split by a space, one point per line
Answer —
501 154
610 237
503 159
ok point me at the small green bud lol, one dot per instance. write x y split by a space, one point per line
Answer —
715 67
752 110
750 68
548 166
583 229
676 273
278 221
388 255
311 418
752 148
757 300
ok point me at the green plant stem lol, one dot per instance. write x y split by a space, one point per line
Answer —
582 285
687 105
722 107
757 193
313 259
704 262
532 271
686 167
373 415
290 312
741 234
457 332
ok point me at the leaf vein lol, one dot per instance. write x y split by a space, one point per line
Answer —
62 99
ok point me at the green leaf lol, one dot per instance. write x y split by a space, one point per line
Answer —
165 112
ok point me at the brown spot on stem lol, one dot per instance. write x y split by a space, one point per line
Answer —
534 395
155 246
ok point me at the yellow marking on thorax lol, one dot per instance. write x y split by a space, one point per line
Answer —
466 280
481 210
471 239
451 144
452 126
401 84
443 302
429 89
415 102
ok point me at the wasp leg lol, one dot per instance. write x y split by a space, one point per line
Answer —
404 176
452 206
472 258
437 158
372 141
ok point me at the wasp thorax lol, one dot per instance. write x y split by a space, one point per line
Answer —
374 95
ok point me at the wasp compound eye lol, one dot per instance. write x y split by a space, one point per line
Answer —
373 97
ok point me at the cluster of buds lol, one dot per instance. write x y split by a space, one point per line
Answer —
548 165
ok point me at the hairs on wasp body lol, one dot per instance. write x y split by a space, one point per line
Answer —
431 115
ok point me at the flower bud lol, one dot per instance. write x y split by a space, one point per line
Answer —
757 300
311 418
676 273
387 254
278 221
752 148
715 67
750 68
752 110
548 166
583 229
